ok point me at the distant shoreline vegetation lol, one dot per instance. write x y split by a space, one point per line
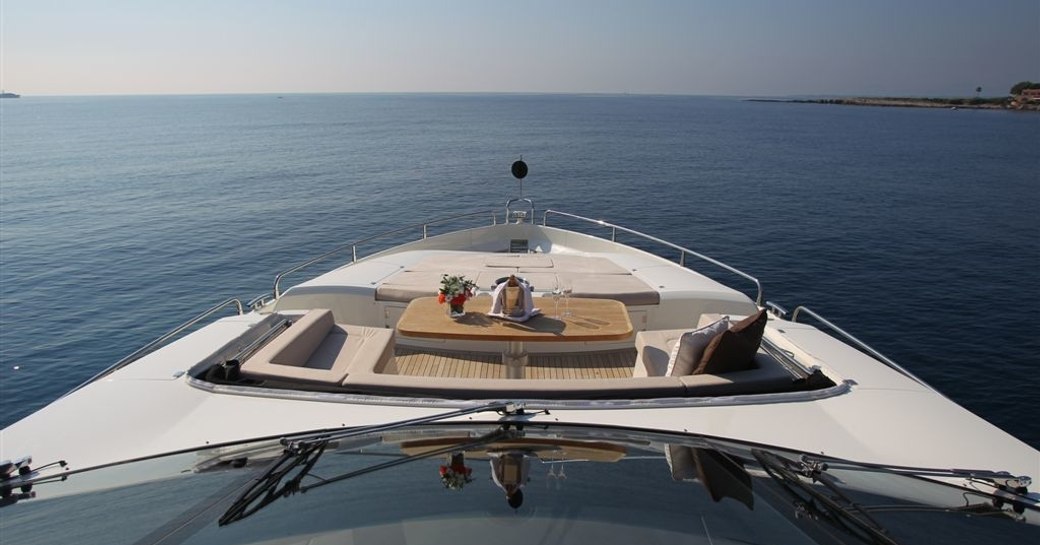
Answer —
1025 95
991 103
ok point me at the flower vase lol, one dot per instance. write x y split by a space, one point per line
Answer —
456 311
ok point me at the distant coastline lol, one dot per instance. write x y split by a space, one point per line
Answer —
1001 103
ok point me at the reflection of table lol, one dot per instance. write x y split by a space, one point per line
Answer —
553 449
591 320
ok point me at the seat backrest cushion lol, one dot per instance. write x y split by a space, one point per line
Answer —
734 349
687 352
296 344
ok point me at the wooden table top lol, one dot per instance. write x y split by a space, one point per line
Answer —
591 320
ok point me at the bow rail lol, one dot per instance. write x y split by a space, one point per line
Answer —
353 246
683 252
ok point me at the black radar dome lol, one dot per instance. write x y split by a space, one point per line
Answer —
519 169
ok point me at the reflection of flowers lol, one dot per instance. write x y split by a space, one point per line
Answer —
455 290
454 477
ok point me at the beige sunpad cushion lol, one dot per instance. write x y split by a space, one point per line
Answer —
296 344
460 260
407 285
314 349
530 261
579 264
625 288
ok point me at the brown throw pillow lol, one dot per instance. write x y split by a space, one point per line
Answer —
734 349
688 349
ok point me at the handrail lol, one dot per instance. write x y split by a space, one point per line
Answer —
778 310
862 345
520 215
259 301
353 245
683 251
152 346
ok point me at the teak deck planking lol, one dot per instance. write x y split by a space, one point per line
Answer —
559 366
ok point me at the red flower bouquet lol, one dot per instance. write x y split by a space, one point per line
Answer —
455 476
455 290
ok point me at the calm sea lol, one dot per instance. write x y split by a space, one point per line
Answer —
916 230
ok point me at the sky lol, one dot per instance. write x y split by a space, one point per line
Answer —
694 47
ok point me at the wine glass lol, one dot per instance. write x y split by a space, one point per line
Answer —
557 291
568 288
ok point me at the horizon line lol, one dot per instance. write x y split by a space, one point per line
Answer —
512 93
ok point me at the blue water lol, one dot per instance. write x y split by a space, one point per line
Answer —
916 230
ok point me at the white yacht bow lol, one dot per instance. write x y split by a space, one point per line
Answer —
326 353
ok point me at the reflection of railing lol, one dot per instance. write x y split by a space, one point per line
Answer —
682 251
152 346
862 345
353 246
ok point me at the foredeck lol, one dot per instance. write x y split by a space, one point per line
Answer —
657 292
584 365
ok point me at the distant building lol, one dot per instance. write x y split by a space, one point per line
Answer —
1030 94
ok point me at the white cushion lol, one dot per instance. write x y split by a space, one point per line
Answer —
688 350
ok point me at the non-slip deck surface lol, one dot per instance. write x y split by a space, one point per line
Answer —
608 364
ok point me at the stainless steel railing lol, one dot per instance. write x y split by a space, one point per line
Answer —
520 215
260 300
682 251
154 345
777 310
353 246
860 344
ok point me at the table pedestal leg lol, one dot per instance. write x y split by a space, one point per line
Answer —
515 359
